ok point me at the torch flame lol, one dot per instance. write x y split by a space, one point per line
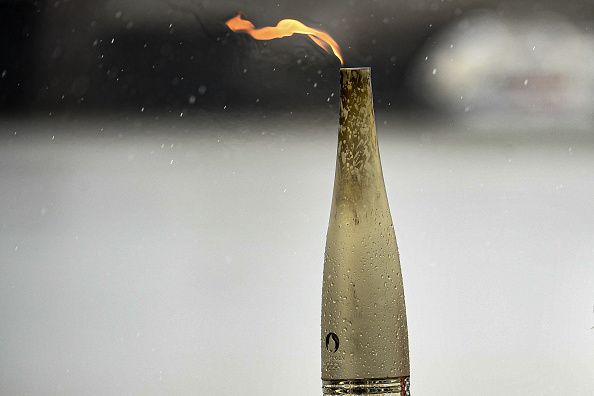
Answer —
286 27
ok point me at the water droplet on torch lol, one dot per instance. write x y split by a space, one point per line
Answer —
285 28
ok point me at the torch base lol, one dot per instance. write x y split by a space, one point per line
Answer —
387 387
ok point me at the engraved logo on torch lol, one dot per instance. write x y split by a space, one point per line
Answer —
332 342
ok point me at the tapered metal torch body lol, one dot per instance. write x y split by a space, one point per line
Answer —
364 328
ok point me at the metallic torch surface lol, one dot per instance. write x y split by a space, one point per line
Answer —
364 330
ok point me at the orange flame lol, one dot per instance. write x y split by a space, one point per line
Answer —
286 27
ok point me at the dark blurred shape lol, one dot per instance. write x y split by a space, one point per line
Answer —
178 55
17 21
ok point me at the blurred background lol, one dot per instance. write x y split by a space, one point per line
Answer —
454 56
166 186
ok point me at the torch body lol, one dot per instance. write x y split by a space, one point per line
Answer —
364 328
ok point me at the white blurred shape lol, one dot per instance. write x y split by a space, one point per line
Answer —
487 64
